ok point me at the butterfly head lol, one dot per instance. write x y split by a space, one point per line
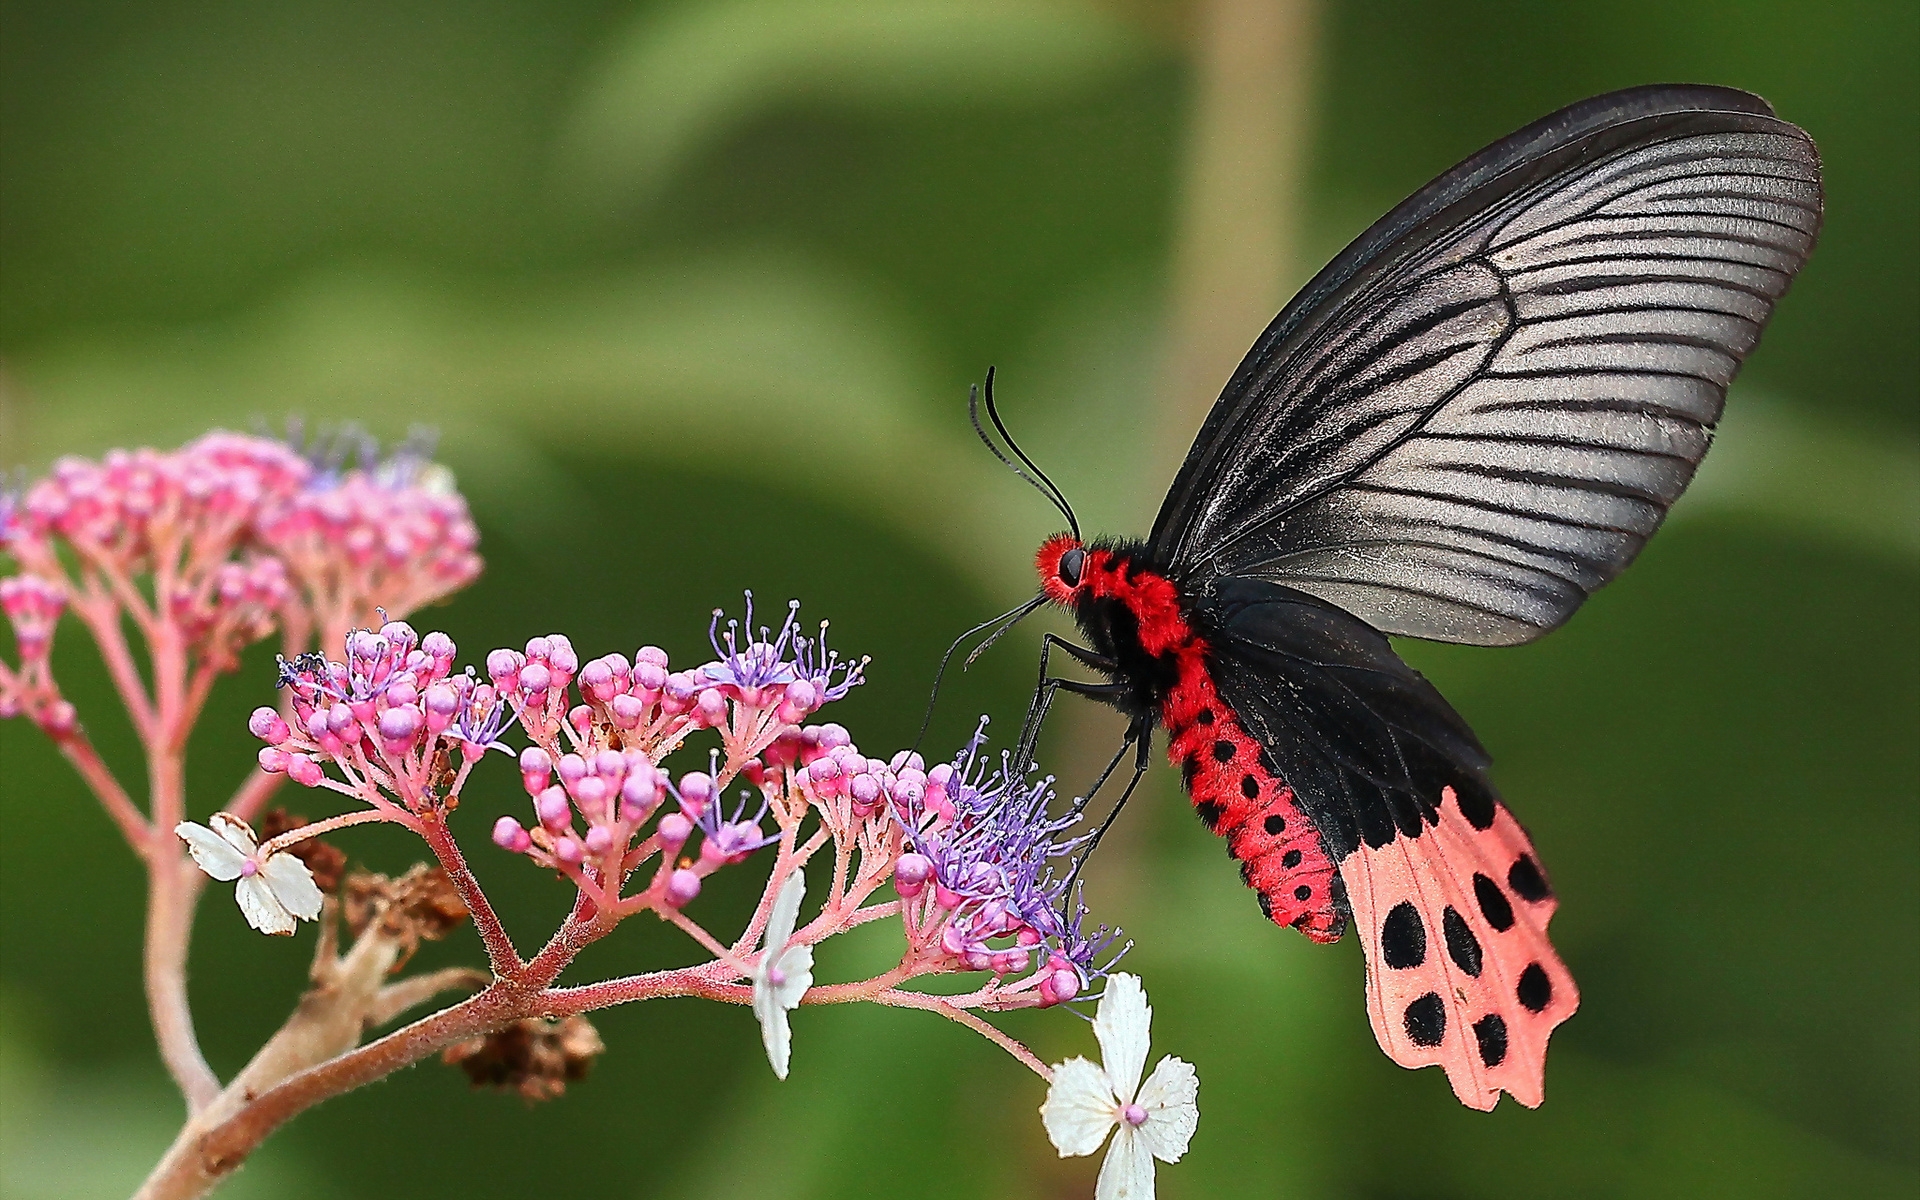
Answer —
1062 563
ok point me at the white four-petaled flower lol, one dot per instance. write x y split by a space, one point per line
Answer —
1156 1120
784 974
271 892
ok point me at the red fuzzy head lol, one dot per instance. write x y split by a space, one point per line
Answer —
1062 563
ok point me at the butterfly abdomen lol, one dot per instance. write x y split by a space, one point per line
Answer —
1136 616
1240 797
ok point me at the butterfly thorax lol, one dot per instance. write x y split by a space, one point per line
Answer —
1130 612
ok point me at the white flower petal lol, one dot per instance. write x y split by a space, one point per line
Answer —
1128 1172
1079 1109
262 911
1121 1026
796 973
214 854
775 1034
237 833
293 886
1170 1097
772 1000
786 910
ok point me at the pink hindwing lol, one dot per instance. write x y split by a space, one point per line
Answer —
1459 969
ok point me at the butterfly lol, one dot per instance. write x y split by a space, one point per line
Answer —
1472 419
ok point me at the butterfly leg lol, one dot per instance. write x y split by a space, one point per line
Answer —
1140 739
1048 685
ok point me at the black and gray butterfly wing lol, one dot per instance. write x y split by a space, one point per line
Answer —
1478 413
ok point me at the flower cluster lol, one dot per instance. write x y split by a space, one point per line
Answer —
389 531
210 547
985 857
393 717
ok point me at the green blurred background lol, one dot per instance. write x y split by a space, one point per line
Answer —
693 292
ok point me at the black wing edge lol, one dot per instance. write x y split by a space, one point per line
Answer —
1532 148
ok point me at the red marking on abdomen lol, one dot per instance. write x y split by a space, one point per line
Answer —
1241 800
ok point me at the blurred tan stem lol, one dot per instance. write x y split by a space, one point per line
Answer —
1235 252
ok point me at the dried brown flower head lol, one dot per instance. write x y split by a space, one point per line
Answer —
422 905
535 1057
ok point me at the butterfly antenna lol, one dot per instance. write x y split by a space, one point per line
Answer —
1045 486
1012 617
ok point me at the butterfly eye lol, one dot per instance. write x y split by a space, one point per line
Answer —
1071 564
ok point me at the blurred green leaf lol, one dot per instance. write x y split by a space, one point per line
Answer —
684 75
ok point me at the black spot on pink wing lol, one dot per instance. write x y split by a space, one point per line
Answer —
1535 989
1476 804
1426 1020
1249 787
1527 881
1223 751
1462 947
1303 892
1275 824
1290 859
1403 938
1493 903
1205 717
1210 812
1491 1032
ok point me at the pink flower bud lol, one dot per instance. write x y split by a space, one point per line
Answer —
638 795
441 703
581 718
711 708
599 839
503 667
649 677
272 761
568 850
597 682
398 725
591 791
552 808
534 679
802 697
536 770
864 791
682 886
673 831
696 792
911 873
304 771
628 711
1060 985
571 768
508 833
652 656
610 765
268 725
438 646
